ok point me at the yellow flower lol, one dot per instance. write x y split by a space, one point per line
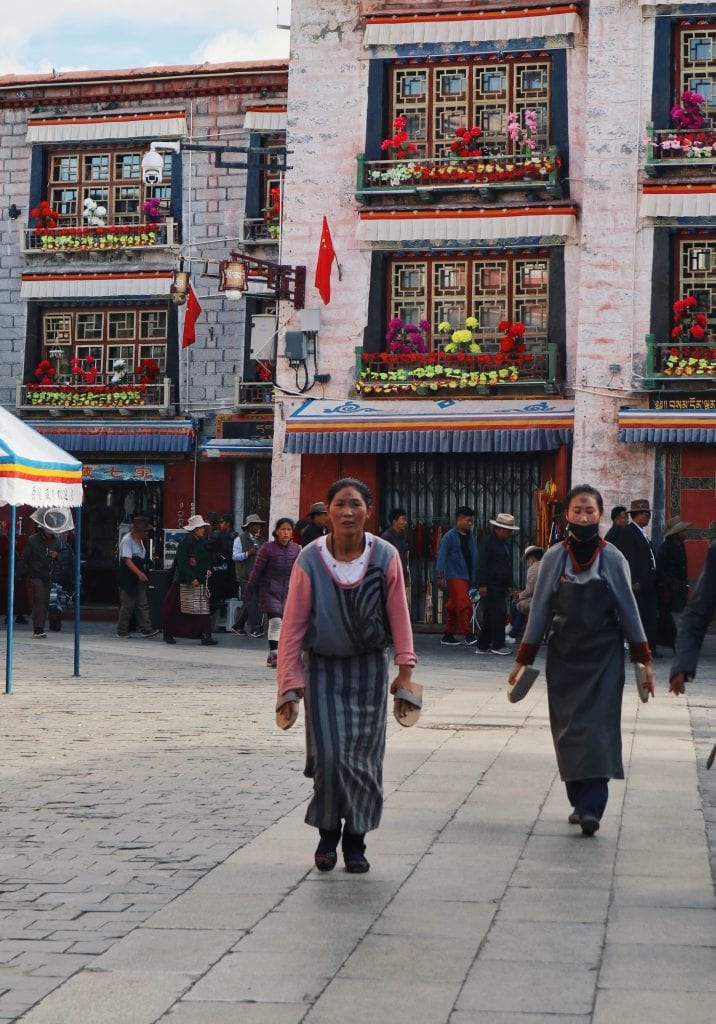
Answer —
471 322
475 348
444 327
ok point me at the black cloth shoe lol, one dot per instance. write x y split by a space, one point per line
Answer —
354 853
326 856
208 642
169 639
589 825
449 640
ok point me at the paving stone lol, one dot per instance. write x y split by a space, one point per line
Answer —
528 987
641 1006
150 829
651 968
94 997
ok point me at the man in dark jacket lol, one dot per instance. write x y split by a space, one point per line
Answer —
222 584
639 553
620 518
397 535
693 624
495 583
317 523
38 562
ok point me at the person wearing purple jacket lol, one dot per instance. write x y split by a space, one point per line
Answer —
270 574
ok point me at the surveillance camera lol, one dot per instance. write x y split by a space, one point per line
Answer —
152 167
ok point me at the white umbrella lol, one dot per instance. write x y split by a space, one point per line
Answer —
34 471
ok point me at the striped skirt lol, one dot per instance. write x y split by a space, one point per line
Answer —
346 702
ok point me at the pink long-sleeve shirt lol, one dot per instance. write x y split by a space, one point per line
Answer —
297 620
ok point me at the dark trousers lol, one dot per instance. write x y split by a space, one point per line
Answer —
492 630
649 614
40 602
588 796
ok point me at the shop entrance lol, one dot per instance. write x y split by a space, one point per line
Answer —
431 487
107 505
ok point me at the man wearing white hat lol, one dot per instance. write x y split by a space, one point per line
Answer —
40 558
246 546
495 583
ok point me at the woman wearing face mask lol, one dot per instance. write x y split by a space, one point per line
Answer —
584 595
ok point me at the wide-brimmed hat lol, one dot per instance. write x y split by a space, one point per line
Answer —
532 549
317 508
53 520
253 520
505 521
194 522
639 505
141 524
675 525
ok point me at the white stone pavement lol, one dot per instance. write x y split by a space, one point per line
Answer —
155 866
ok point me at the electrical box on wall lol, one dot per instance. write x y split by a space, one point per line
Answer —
263 336
311 320
296 346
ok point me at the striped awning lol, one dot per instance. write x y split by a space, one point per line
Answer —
667 426
321 427
237 448
474 28
111 436
98 127
90 286
558 224
268 119
33 470
674 202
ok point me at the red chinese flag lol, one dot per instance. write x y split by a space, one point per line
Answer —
193 309
326 256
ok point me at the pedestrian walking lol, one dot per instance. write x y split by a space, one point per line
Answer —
456 569
222 584
186 607
270 576
694 622
672 582
619 516
346 604
639 552
317 523
583 593
39 561
495 583
132 580
397 535
246 547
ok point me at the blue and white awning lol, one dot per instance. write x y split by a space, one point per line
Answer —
237 448
321 427
667 426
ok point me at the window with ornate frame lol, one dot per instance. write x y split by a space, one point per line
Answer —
439 98
492 287
695 64
695 273
105 336
112 177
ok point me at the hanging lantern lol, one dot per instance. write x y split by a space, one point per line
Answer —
232 278
180 287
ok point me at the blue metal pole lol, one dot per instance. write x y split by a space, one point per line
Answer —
78 548
10 600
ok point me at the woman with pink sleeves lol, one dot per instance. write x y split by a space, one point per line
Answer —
346 604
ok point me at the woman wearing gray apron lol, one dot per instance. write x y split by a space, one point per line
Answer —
583 597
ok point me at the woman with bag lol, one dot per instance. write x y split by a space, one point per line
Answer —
583 595
270 574
186 606
346 605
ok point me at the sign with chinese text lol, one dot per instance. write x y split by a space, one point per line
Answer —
141 472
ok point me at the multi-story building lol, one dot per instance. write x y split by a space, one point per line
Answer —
512 172
92 237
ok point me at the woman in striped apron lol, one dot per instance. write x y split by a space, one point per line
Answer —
346 604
